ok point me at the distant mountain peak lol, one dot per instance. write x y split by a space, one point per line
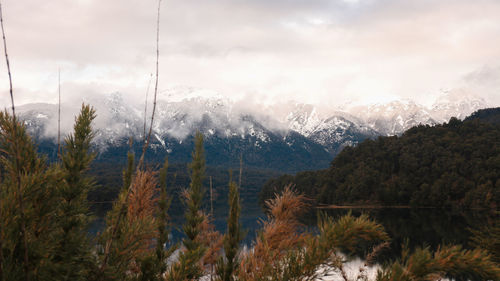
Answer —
291 127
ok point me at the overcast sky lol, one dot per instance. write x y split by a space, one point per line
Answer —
328 51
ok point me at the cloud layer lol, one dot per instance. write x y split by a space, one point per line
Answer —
328 51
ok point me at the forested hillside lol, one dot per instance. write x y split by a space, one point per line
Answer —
456 164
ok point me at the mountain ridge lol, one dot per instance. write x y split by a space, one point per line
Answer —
301 135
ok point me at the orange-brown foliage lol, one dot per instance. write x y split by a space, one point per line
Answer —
212 240
279 235
141 197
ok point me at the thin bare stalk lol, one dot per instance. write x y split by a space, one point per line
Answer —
8 64
342 271
211 199
122 213
146 144
241 169
18 176
59 116
146 108
1 236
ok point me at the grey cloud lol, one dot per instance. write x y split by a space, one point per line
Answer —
321 50
485 75
485 82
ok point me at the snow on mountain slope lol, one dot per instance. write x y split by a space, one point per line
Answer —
337 132
38 117
448 105
395 117
303 119
218 117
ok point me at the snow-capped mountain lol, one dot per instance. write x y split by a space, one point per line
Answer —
395 117
38 117
303 119
299 135
459 105
337 132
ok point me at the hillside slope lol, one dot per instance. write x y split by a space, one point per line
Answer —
456 164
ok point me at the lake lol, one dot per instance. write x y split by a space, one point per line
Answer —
420 227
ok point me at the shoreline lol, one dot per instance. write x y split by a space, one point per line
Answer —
365 207
385 207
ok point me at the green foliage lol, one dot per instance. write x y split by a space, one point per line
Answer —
228 266
119 257
118 260
163 223
131 230
127 173
46 205
73 253
451 165
352 235
348 235
490 115
29 205
488 238
284 251
187 267
448 261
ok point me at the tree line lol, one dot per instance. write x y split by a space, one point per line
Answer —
453 165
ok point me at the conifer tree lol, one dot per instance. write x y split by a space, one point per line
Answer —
129 170
226 267
163 223
29 205
73 255
154 265
129 256
118 263
188 265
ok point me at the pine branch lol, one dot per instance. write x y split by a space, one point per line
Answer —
226 268
187 266
452 262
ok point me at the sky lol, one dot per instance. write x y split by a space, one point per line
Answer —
314 51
